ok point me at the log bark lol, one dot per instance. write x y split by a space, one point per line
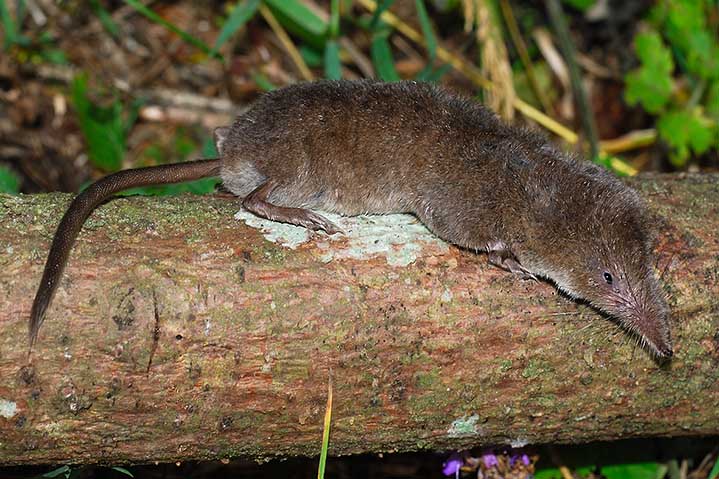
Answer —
180 332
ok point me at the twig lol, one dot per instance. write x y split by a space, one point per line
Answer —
286 42
630 141
556 17
521 47
358 57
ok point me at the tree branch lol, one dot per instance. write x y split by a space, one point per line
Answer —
181 333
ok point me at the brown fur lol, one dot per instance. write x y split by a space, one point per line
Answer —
369 147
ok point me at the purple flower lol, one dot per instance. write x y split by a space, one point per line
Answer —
490 460
514 458
451 467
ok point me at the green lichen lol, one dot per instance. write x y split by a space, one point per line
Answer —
464 426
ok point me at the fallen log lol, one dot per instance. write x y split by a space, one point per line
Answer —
183 332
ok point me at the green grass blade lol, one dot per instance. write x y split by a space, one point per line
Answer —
122 470
427 31
333 65
375 23
65 470
8 24
105 18
9 181
715 470
300 15
326 432
263 82
192 40
382 58
334 28
240 15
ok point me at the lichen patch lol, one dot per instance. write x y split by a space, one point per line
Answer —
7 408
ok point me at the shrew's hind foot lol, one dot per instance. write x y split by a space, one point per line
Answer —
256 202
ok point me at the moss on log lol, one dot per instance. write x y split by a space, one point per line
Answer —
183 332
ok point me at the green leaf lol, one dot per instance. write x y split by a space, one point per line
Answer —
313 57
382 58
192 40
712 103
209 149
105 18
582 5
263 82
240 15
8 24
684 131
651 84
60 470
585 471
334 28
549 473
714 473
9 181
646 470
122 470
427 31
54 55
325 432
102 127
333 65
375 23
300 20
702 54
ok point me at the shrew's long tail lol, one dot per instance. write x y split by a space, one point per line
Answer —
82 206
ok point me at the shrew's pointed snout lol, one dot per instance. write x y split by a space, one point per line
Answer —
661 343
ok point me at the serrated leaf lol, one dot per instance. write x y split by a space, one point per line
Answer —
239 15
645 470
651 84
686 131
702 54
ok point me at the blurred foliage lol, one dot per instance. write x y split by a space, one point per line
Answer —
104 127
678 77
9 180
36 49
181 147
642 470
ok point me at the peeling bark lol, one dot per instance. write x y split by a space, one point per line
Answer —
182 333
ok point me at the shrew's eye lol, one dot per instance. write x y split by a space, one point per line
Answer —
608 277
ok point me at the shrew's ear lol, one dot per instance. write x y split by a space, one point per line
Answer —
221 133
